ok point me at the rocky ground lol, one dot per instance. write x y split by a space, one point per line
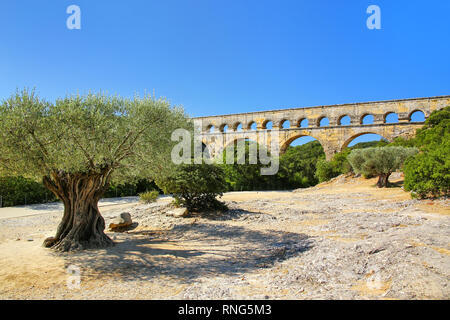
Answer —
341 240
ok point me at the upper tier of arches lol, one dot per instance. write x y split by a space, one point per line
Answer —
345 119
378 113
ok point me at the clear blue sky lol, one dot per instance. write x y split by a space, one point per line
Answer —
218 57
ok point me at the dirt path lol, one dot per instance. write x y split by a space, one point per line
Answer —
39 209
340 240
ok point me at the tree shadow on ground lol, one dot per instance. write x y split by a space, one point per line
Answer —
231 214
396 184
191 251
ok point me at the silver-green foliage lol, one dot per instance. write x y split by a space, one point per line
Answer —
149 196
87 133
379 161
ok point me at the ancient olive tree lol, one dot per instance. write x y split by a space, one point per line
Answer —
379 161
78 144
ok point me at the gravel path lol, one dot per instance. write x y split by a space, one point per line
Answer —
342 240
39 209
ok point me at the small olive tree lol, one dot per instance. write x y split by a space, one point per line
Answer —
78 144
379 161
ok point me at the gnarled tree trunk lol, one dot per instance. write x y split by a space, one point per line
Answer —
383 180
82 226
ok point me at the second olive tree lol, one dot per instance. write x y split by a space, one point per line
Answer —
379 161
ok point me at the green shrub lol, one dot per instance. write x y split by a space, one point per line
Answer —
196 186
19 191
149 196
338 165
379 162
428 173
245 176
325 170
298 166
402 142
297 169
369 144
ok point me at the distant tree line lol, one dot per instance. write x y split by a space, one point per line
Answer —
296 170
16 191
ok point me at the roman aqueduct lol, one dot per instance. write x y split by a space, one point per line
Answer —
217 132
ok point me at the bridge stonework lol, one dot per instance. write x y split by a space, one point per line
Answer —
333 137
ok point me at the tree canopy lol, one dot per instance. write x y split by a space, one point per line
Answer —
87 133
297 169
78 144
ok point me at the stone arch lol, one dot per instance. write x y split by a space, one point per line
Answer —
235 140
320 119
387 114
210 128
250 125
236 126
223 128
266 122
361 120
283 122
356 135
229 143
303 120
413 112
286 143
339 122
